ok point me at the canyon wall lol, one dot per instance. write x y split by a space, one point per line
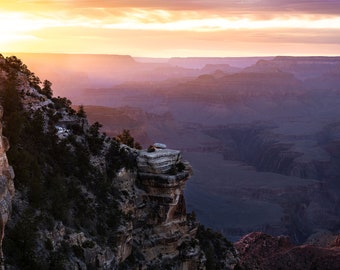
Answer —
6 188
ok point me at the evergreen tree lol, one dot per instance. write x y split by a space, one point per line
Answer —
47 89
81 112
126 138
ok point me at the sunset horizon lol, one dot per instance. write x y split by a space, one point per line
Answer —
163 30
14 53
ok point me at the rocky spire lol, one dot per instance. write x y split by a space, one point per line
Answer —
160 233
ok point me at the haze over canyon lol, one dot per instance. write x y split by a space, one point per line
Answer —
262 133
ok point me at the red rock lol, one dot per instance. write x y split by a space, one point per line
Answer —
261 251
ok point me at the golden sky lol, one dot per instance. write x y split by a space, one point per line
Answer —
171 28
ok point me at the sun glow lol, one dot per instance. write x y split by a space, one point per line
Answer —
114 30
17 27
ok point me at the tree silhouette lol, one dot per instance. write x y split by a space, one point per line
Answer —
47 89
81 112
126 138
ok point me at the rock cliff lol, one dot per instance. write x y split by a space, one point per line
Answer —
6 188
160 233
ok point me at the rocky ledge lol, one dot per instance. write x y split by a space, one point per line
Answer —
161 235
158 161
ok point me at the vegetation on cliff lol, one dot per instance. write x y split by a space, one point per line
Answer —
220 253
57 180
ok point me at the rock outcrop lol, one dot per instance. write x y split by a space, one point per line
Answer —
6 188
160 161
261 251
160 234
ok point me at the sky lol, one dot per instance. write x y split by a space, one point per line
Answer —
168 28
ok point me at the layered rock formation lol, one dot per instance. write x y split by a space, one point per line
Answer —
6 188
160 161
160 234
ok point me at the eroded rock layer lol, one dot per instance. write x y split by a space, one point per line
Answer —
160 233
159 161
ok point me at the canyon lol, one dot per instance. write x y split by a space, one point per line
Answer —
262 139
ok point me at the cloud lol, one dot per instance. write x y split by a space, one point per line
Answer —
331 7
174 27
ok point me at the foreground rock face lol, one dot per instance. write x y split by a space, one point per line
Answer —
6 187
160 234
261 251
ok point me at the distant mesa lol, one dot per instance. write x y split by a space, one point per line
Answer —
201 62
224 68
62 57
301 67
308 58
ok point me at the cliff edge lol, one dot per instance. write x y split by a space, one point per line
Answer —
160 233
